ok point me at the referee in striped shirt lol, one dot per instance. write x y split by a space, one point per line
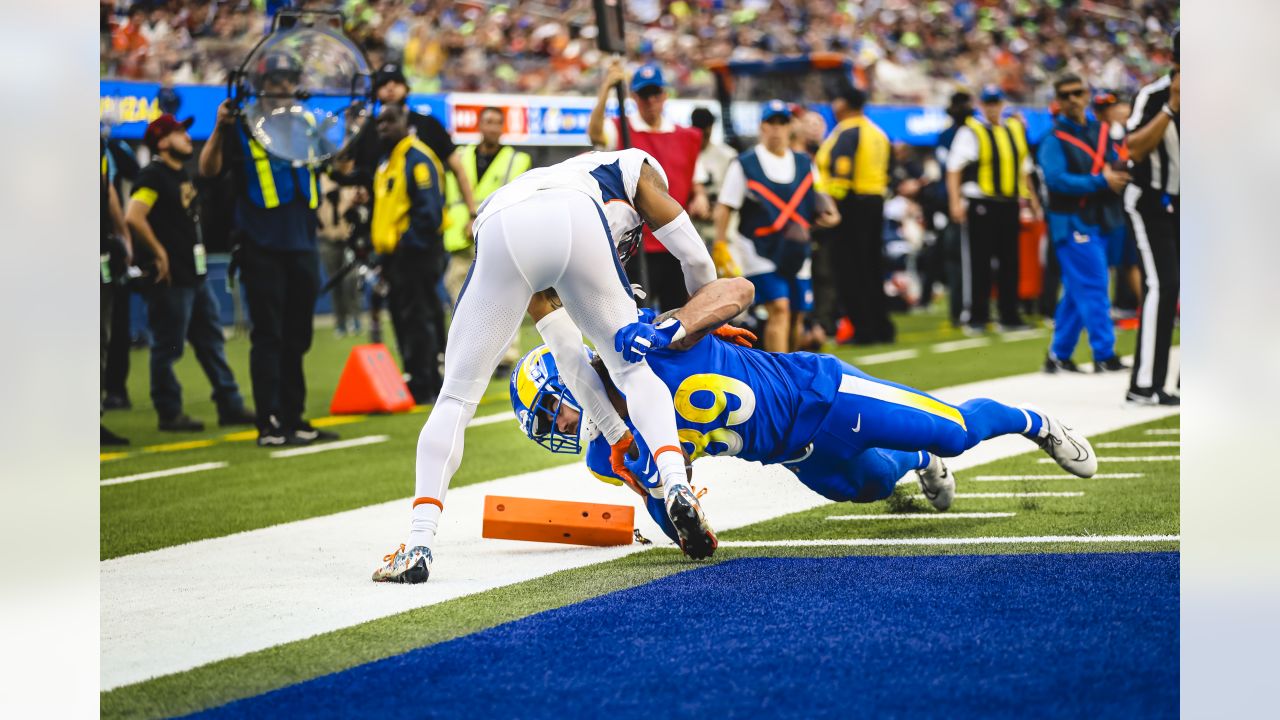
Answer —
1151 203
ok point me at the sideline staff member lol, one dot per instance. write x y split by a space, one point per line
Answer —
987 168
853 169
275 219
1077 160
408 207
1153 208
181 306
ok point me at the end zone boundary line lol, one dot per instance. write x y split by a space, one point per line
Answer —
1015 540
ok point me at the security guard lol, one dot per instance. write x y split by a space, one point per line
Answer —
1077 160
275 221
853 169
408 214
987 168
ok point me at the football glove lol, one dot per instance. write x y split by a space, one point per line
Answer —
735 335
725 264
640 338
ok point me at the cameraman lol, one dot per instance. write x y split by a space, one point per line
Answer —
275 223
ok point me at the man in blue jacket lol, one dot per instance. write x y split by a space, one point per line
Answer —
1079 166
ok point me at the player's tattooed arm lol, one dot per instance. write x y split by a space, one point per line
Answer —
715 304
544 303
653 200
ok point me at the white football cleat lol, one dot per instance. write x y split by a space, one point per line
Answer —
1071 450
937 483
411 566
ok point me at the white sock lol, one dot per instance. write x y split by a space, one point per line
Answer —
439 454
671 469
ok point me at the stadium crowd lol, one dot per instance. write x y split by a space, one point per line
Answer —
906 51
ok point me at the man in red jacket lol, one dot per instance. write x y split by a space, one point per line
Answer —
676 148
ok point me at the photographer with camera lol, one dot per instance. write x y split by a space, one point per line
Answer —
275 227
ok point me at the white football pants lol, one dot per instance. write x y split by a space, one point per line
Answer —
555 239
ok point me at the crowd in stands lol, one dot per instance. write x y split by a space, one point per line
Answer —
907 51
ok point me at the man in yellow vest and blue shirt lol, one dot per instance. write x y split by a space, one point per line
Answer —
853 169
488 166
987 168
275 228
408 217
772 190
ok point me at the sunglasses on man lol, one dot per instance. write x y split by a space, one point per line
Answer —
1065 94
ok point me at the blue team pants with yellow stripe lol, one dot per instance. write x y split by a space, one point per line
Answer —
878 430
1085 304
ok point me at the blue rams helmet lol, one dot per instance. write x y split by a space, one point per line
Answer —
537 396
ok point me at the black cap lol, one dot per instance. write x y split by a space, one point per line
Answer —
702 118
849 93
389 72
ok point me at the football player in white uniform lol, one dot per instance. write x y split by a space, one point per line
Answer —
563 227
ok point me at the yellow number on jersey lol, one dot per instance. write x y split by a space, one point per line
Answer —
720 388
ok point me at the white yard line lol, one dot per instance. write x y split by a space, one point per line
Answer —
1163 431
1147 444
491 419
258 589
163 473
1099 476
954 345
1123 459
886 357
1017 335
925 516
327 446
992 495
944 541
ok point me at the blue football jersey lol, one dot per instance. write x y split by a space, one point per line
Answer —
731 400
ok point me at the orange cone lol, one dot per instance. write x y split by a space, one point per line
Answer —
370 383
557 521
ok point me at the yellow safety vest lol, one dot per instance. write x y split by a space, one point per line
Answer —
1001 152
854 159
391 194
506 165
271 181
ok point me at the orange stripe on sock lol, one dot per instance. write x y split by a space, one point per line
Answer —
668 448
426 501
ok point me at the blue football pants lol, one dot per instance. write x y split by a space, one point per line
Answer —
878 430
1085 304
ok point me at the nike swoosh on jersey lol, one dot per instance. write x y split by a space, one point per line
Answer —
858 427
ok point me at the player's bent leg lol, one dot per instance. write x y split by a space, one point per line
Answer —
600 303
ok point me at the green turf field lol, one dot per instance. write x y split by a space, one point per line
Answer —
1143 505
255 490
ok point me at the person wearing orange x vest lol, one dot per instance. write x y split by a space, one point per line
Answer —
772 189
1077 160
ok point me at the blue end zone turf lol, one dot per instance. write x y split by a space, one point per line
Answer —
1018 636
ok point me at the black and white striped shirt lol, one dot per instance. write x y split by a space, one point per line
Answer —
1160 170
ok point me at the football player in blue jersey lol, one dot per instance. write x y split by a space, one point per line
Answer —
845 434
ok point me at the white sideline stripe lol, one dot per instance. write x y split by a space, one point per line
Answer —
325 447
261 588
954 345
163 473
924 516
981 495
1164 431
1151 444
943 541
491 419
885 357
1099 476
1121 459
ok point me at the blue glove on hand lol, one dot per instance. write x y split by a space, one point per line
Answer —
637 339
647 315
